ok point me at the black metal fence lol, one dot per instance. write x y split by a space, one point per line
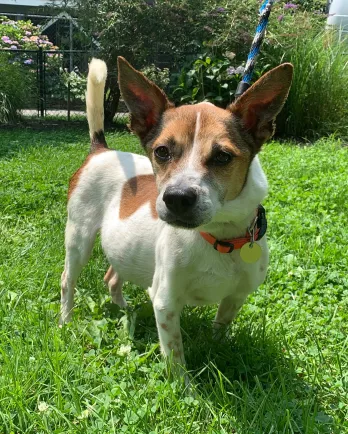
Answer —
56 81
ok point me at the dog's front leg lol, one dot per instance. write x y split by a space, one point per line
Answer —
168 326
167 312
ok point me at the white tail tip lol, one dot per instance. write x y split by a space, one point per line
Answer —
97 71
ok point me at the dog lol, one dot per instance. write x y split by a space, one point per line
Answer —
177 221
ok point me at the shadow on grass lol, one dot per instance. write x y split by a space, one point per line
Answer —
252 371
249 374
17 138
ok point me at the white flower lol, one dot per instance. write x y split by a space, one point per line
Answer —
84 414
124 350
43 406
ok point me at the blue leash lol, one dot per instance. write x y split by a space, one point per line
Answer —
264 14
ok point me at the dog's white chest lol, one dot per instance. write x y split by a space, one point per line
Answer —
209 283
208 276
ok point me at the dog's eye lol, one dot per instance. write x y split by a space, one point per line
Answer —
221 158
162 153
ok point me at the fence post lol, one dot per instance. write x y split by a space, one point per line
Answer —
41 83
69 99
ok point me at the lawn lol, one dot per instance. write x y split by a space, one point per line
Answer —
284 367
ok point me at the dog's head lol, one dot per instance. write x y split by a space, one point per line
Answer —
201 153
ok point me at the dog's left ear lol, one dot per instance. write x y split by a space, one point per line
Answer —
258 107
145 101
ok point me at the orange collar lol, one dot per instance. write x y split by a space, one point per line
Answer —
255 232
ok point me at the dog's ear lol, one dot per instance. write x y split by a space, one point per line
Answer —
145 101
258 107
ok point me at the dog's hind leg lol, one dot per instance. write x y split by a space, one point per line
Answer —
226 313
79 242
114 282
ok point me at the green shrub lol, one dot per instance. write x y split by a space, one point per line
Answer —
143 31
15 84
18 88
157 75
57 85
318 99
208 77
317 103
22 35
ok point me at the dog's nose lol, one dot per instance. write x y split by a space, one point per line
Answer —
179 200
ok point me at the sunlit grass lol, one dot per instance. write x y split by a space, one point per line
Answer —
283 368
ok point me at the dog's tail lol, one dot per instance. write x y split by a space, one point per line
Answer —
95 103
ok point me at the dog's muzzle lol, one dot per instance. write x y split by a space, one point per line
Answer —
180 201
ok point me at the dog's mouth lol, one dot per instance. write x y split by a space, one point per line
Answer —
183 224
190 219
180 222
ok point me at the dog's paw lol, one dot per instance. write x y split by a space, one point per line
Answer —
220 331
119 300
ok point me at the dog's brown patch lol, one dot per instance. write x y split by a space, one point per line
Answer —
76 176
164 326
137 192
170 316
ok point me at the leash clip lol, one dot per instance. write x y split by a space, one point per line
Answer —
251 230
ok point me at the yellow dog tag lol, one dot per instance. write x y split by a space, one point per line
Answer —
250 253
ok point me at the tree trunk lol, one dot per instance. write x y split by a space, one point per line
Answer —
112 98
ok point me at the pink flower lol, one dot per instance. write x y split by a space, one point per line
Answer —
6 39
280 18
13 47
28 33
231 70
290 6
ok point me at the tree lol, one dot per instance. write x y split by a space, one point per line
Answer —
146 31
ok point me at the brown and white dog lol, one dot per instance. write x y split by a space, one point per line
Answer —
202 177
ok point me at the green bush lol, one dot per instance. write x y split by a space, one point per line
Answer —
142 31
15 84
318 99
174 29
208 77
157 75
22 35
213 75
18 68
57 85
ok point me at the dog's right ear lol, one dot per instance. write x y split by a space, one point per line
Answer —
145 101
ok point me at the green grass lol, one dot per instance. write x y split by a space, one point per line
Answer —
284 367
